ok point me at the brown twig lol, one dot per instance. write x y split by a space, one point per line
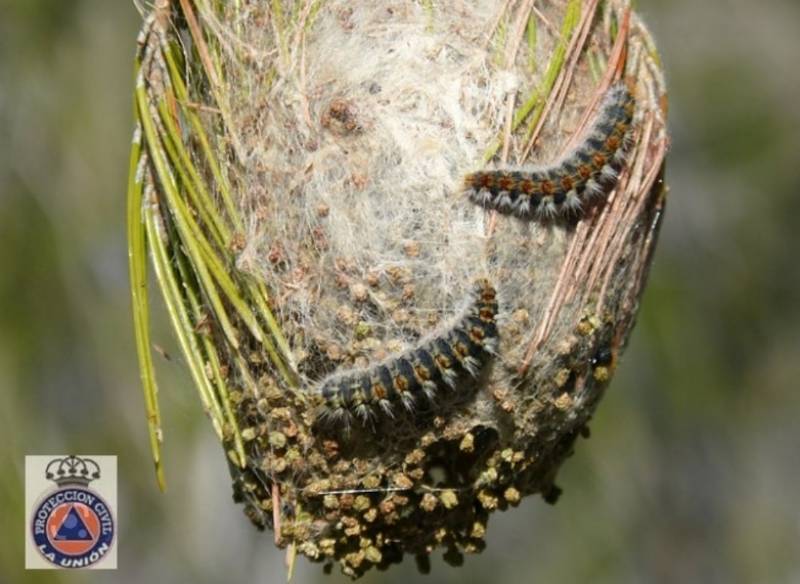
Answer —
511 54
575 45
635 211
208 65
566 284
495 23
276 512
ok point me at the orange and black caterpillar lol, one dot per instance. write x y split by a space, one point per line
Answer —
418 375
566 186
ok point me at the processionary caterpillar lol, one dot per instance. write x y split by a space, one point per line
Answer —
565 187
437 364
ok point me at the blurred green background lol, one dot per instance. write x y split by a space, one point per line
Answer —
692 473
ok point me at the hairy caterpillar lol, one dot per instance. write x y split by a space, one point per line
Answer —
563 188
436 364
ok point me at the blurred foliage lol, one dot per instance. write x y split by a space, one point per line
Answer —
690 474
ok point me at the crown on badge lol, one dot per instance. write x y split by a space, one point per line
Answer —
72 470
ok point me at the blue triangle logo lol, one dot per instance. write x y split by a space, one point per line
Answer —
73 528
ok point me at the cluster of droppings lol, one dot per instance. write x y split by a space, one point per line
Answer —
342 510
